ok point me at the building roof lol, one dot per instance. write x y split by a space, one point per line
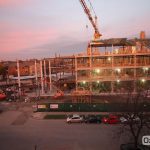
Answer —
120 42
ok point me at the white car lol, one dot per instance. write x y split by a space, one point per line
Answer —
75 119
126 120
123 120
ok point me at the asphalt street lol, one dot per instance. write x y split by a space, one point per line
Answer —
20 131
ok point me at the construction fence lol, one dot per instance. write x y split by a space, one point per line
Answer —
94 107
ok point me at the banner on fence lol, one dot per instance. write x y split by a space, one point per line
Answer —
53 106
41 106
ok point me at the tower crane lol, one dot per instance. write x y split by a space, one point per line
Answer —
97 34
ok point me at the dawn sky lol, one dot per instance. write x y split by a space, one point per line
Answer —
41 28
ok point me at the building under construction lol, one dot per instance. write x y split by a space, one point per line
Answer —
108 66
115 65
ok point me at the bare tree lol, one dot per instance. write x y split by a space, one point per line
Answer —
136 118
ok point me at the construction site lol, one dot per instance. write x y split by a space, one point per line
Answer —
106 67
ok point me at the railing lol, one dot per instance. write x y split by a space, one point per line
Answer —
120 51
82 65
111 78
101 65
114 65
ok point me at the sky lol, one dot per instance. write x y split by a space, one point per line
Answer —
43 28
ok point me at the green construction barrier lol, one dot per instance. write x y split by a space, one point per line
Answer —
94 107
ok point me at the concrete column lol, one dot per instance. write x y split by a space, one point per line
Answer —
36 79
42 84
35 70
112 74
134 73
45 82
50 79
76 76
19 82
90 59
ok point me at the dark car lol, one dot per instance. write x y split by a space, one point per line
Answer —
130 146
92 119
11 98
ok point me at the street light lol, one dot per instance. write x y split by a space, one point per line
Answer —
118 70
84 82
145 68
109 59
143 80
118 81
97 70
98 82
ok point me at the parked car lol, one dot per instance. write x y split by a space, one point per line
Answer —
130 146
2 96
92 119
126 119
111 119
75 118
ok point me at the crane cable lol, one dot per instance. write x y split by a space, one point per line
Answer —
92 8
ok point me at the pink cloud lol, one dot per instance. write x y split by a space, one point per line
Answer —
16 39
5 3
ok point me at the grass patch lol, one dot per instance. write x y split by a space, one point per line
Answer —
55 116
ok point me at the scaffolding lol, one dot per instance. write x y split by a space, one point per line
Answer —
117 64
81 95
120 63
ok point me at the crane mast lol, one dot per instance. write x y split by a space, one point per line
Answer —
97 34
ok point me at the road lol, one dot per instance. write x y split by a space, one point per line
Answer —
19 131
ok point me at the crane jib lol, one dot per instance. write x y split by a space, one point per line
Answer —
88 13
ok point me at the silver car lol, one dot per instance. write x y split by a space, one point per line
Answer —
75 119
136 119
